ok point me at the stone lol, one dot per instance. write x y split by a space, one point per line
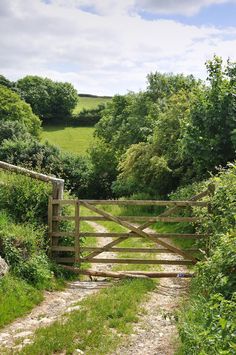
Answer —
78 351
3 267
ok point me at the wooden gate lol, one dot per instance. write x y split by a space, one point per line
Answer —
67 247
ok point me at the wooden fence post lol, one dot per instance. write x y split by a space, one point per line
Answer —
57 194
77 231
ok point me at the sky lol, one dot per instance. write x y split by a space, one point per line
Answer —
106 47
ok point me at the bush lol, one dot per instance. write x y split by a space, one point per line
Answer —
208 323
12 108
32 154
12 130
23 246
88 117
48 99
25 199
36 271
208 326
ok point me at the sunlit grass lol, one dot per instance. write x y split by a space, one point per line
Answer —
89 103
70 139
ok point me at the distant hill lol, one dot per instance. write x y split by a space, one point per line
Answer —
97 96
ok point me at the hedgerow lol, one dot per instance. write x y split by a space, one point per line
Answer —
207 324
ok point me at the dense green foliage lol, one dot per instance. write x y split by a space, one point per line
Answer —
24 199
207 323
48 99
13 109
150 142
162 138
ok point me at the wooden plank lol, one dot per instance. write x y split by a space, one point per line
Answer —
104 248
134 235
144 218
176 208
138 231
77 231
50 222
30 173
134 250
63 248
151 274
147 203
127 261
103 273
138 261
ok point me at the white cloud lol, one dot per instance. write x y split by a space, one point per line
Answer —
179 7
102 54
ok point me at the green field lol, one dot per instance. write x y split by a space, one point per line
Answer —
71 139
89 103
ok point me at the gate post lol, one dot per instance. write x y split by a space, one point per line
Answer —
77 231
55 211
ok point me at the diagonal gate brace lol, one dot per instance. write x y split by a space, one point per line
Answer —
138 231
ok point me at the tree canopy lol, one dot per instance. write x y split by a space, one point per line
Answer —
49 100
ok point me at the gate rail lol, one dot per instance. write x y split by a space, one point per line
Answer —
77 250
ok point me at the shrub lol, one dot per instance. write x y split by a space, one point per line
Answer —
23 246
31 154
88 117
208 322
208 326
36 270
48 99
25 199
12 108
12 130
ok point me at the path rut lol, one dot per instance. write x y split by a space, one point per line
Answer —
155 333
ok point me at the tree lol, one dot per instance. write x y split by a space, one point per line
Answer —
5 82
11 130
162 86
125 121
49 100
12 108
208 137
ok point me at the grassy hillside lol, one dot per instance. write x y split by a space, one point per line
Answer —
70 139
89 103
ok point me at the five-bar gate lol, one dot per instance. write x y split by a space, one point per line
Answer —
67 246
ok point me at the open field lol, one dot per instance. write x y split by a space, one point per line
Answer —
89 103
71 139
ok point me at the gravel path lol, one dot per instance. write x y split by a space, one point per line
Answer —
156 333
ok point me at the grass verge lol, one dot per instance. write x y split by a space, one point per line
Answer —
16 298
98 326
